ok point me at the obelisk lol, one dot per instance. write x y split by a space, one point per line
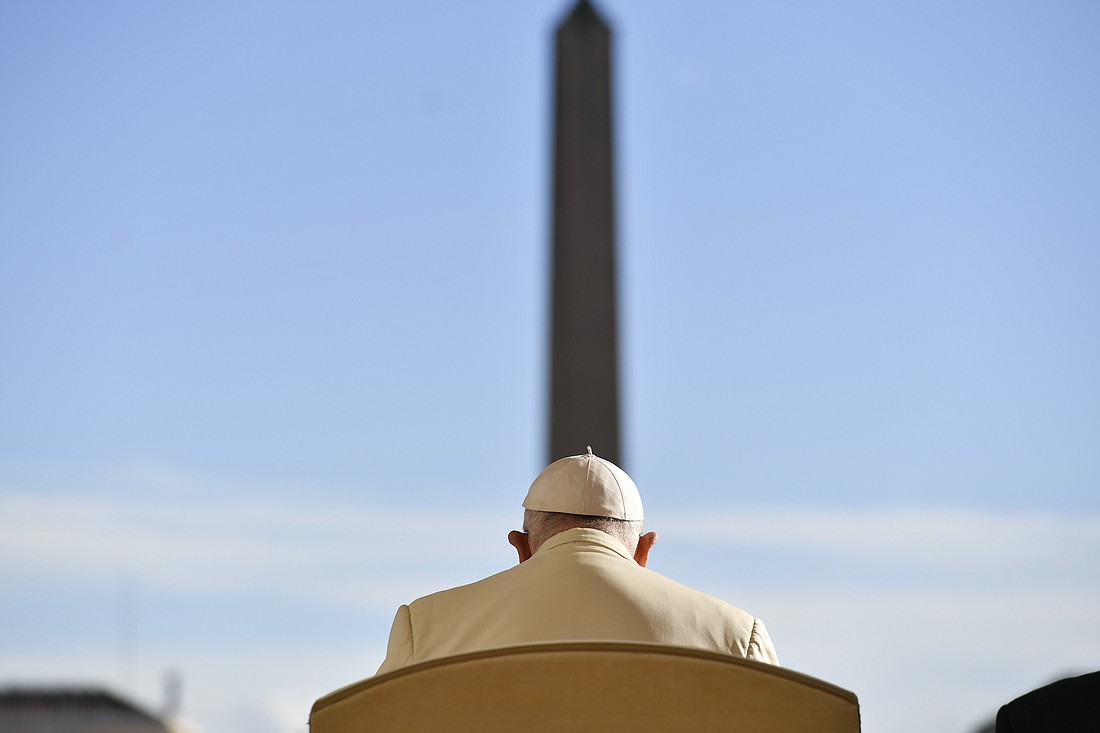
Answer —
584 363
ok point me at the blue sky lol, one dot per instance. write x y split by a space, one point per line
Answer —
273 303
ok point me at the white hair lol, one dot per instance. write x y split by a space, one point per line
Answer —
541 526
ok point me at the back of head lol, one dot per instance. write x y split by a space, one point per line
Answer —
583 491
541 526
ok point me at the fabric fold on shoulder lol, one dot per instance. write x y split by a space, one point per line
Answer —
760 644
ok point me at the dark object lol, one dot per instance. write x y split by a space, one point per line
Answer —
1071 705
584 366
68 710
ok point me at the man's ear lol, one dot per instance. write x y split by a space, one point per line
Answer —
522 543
645 544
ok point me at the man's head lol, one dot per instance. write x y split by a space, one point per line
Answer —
583 491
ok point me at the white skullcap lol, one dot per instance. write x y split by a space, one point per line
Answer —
586 485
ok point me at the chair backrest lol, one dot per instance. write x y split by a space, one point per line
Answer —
580 686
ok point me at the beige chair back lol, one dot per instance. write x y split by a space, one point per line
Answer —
588 686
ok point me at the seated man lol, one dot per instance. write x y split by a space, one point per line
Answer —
581 576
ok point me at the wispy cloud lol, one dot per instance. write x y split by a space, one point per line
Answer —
947 541
202 546
207 548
